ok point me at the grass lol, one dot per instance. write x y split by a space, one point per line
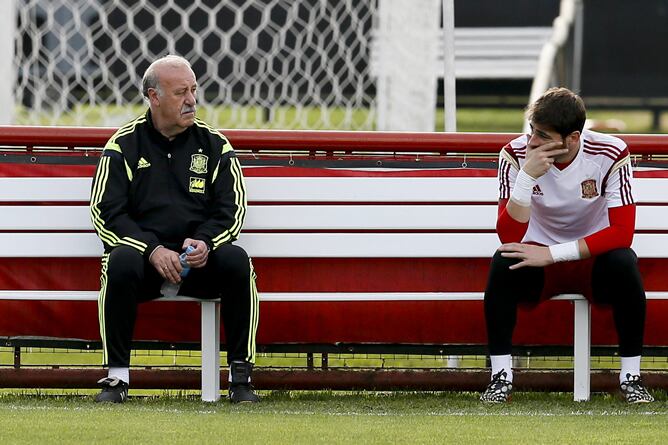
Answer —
327 417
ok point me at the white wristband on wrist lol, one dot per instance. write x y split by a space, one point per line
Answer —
565 252
523 189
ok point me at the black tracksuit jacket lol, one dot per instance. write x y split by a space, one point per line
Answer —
150 191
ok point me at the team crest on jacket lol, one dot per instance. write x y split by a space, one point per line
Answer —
196 185
198 164
589 189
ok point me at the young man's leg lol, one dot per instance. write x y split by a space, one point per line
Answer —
229 275
616 281
505 290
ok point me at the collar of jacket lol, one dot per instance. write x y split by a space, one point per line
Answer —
159 137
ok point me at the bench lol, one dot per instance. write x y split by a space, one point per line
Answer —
484 52
404 250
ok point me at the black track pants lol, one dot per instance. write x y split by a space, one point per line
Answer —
127 280
615 281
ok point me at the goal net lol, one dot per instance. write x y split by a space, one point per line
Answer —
260 63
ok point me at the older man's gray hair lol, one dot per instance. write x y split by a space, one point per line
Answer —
150 79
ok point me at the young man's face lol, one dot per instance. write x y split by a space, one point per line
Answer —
542 134
174 109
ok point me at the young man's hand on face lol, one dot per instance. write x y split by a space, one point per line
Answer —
540 159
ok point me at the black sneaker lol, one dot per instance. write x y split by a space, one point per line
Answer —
634 391
499 389
241 390
113 390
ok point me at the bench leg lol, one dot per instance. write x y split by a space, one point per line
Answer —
582 351
210 351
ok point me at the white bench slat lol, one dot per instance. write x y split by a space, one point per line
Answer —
374 189
324 189
488 69
319 217
289 217
48 295
311 245
329 189
483 52
278 245
374 217
465 34
45 189
45 218
62 295
650 190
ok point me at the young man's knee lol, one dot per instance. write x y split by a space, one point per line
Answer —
618 262
500 261
499 268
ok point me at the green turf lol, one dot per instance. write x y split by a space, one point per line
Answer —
323 417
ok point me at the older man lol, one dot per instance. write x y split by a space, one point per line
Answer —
166 181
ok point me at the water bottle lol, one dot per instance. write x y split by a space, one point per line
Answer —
170 289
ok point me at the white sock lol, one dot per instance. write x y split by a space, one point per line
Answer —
502 363
630 365
120 373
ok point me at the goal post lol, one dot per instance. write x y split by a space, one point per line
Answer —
7 71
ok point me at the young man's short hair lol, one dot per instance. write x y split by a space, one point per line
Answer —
560 109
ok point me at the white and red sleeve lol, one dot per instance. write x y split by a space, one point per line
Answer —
508 228
619 234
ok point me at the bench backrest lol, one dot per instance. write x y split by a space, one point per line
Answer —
365 256
486 52
384 217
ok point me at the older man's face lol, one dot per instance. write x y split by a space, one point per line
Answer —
174 109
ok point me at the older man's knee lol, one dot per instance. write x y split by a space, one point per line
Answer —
125 264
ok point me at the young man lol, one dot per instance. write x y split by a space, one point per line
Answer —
566 211
167 181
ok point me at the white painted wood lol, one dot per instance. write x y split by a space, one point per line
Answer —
321 189
45 218
652 217
48 245
373 189
311 245
287 217
372 217
73 295
297 189
370 245
50 295
319 217
279 245
650 190
210 328
581 350
369 296
484 52
45 189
